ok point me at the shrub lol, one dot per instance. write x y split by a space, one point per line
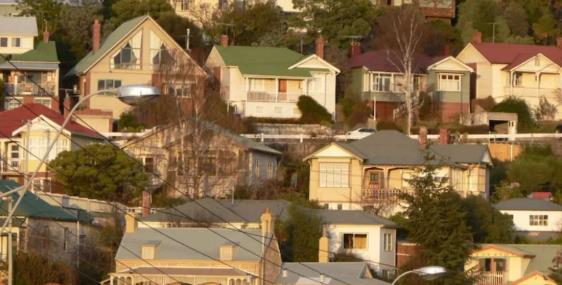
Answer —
520 107
128 123
545 110
312 112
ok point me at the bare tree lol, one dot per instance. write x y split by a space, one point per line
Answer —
401 34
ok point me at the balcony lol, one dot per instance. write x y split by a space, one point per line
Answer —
263 96
28 88
491 278
382 196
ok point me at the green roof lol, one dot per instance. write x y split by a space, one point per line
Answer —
264 60
113 38
43 52
32 206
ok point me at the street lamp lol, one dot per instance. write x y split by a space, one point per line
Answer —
427 273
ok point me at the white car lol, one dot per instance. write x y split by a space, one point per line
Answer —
359 133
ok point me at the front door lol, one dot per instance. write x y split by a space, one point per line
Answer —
282 89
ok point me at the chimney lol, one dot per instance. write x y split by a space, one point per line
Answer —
130 223
96 35
444 136
446 50
559 42
422 136
267 223
355 48
146 203
477 37
320 42
324 248
46 35
224 40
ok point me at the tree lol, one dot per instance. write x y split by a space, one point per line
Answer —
516 105
299 235
312 112
487 224
124 10
545 110
47 12
31 269
435 219
545 29
516 18
128 123
75 34
402 32
99 171
477 15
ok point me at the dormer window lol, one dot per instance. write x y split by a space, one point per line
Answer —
16 42
3 42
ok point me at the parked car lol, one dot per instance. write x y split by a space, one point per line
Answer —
359 133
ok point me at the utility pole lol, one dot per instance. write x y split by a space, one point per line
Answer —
493 31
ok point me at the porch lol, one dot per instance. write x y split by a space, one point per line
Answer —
383 186
36 83
180 275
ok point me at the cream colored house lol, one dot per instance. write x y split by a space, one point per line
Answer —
371 172
521 264
529 72
132 54
268 81
27 131
197 255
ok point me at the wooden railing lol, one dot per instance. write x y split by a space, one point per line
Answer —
25 88
387 196
262 96
490 278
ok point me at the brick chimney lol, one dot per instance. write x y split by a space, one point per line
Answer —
355 48
422 136
267 223
443 136
324 248
130 223
96 35
477 37
446 50
320 43
559 42
46 35
146 203
224 40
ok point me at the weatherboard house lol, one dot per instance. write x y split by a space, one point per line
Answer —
533 218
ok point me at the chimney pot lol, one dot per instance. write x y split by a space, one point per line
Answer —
224 40
96 35
320 43
477 38
130 223
355 48
446 50
422 136
46 35
559 42
146 203
444 136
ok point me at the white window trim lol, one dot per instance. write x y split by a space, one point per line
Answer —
327 176
388 245
366 248
374 76
253 86
446 84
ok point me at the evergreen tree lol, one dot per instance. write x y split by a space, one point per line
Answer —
299 235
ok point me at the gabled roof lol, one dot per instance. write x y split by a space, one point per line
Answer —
42 53
541 255
206 242
452 58
114 38
507 53
527 204
13 119
32 206
18 26
386 61
266 61
345 273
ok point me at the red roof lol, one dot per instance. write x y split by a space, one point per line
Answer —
515 54
382 60
541 195
13 119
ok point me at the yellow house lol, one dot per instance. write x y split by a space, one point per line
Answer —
26 133
197 255
522 264
371 172
529 72
134 53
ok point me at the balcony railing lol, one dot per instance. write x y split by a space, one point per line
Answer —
490 278
262 96
387 196
28 88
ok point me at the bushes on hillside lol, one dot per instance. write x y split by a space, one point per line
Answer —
312 112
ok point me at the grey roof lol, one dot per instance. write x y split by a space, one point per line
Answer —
24 26
214 271
248 143
528 204
390 147
240 211
541 254
202 243
8 2
308 273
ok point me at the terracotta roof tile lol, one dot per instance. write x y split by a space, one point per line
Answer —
514 54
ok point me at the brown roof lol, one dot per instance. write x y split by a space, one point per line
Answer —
383 60
514 54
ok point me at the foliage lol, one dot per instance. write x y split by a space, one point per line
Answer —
32 269
525 121
545 110
355 111
128 123
545 29
312 112
476 15
436 221
487 103
487 224
124 10
99 171
161 199
439 35
46 11
299 235
556 269
76 33
516 18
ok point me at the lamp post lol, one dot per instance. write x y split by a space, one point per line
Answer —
129 94
427 272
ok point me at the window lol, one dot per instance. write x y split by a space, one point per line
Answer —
38 146
517 78
387 241
129 55
12 103
257 84
14 156
180 90
355 241
43 101
108 84
3 42
316 84
449 82
270 170
257 169
381 82
158 51
16 42
538 220
340 207
148 163
65 240
334 175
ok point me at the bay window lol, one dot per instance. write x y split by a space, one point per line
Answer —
334 175
381 82
449 82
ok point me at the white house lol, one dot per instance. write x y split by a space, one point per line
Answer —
268 81
536 219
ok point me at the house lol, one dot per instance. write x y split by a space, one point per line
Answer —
197 255
26 133
202 159
29 68
534 219
373 171
9 8
44 229
339 273
503 70
443 10
522 264
139 51
357 233
267 82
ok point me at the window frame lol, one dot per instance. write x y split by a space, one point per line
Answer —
538 220
254 87
352 246
339 171
445 84
387 242
377 80
15 42
106 85
4 42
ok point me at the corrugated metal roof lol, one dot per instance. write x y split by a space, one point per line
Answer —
42 53
527 204
541 254
23 26
308 273
508 53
